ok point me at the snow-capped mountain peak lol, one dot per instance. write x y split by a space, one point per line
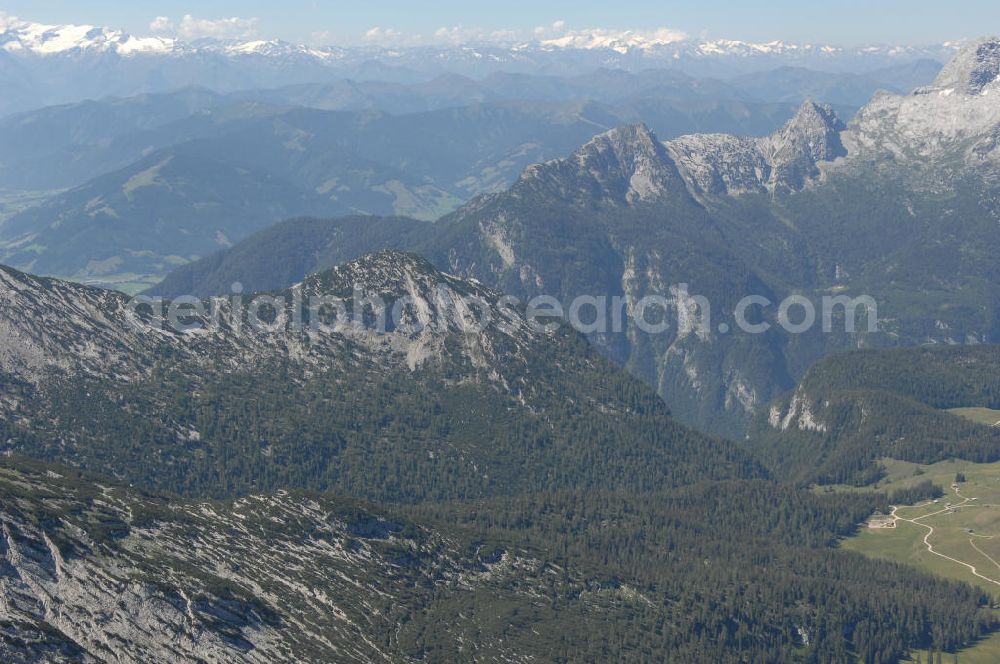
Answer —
620 41
737 47
24 37
274 48
973 69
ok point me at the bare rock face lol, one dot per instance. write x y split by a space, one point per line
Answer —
935 134
94 572
624 166
45 323
811 137
718 164
434 308
630 161
941 130
48 324
973 70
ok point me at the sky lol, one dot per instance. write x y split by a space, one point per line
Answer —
843 22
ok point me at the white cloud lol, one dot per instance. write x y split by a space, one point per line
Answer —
392 37
321 37
555 29
504 36
670 35
458 34
194 28
7 21
379 34
162 24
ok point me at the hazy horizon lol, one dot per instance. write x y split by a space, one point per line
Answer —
850 23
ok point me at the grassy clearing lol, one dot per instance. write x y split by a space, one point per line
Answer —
12 202
902 474
969 533
986 416
128 283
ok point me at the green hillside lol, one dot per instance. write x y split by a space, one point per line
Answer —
910 404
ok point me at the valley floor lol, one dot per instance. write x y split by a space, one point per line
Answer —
956 536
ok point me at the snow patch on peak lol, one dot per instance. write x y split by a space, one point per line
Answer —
256 46
973 69
950 124
620 41
274 48
743 48
131 45
17 36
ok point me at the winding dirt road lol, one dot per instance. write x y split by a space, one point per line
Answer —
930 531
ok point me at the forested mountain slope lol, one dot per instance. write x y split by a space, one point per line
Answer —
853 408
433 407
96 571
284 254
92 570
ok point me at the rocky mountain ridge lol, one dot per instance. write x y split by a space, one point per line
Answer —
94 571
103 332
381 364
940 129
626 166
950 125
719 164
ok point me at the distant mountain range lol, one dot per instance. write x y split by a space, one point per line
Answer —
51 64
188 173
339 147
25 37
295 131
